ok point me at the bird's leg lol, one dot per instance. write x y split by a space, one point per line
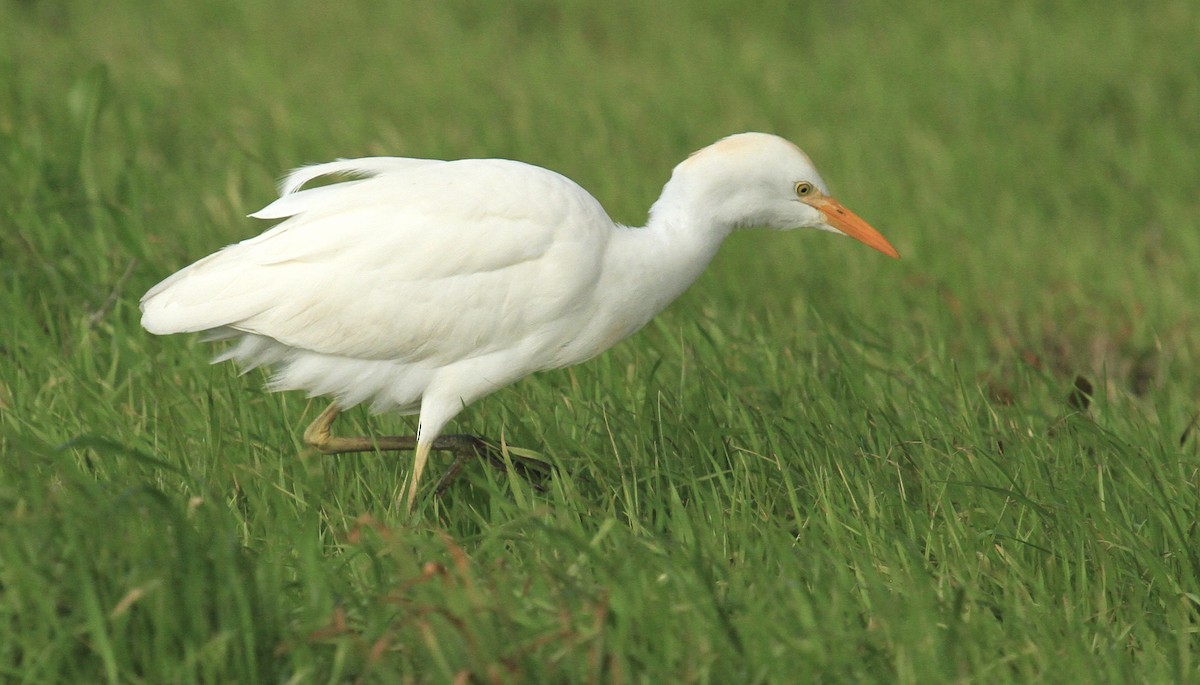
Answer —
318 436
465 448
418 467
460 460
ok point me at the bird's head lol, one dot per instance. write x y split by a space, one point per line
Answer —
757 180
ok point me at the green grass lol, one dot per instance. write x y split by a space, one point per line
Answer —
819 465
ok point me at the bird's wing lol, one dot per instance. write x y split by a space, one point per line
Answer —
422 261
292 200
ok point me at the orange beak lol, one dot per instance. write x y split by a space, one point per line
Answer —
851 224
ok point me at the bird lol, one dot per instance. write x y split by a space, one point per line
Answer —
422 285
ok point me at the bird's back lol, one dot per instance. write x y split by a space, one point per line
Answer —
422 264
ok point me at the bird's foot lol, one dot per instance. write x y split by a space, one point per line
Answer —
468 447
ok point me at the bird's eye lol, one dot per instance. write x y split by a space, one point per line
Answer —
804 189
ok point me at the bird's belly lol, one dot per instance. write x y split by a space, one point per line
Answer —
399 385
387 384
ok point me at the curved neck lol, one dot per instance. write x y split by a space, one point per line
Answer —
655 264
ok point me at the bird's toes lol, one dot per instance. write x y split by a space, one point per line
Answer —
536 471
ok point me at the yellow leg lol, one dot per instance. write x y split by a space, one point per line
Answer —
418 466
318 436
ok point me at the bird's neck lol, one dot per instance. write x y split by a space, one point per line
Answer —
661 260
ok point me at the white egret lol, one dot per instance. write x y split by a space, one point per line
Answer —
424 285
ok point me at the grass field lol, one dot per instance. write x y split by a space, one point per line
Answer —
820 465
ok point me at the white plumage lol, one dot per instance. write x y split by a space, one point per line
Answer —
425 285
